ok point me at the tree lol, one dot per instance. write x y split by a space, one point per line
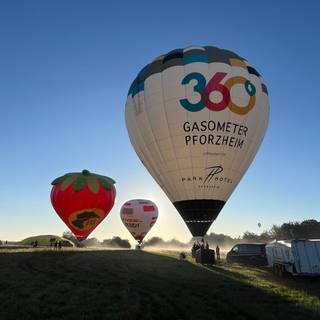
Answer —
309 229
221 240
92 242
116 242
154 241
265 236
250 237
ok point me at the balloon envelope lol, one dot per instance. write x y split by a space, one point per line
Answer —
196 118
82 200
139 216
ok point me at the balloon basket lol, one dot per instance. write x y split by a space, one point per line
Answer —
205 256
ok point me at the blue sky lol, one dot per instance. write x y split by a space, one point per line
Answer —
66 67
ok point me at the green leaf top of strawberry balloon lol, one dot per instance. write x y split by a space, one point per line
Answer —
81 179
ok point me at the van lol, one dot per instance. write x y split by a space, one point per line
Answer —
248 253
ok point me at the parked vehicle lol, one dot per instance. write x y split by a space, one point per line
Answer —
297 257
248 253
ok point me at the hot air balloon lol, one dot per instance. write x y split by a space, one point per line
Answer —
139 216
82 200
196 118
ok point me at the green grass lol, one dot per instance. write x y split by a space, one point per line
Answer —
129 284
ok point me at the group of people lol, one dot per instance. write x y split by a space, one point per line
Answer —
57 244
200 245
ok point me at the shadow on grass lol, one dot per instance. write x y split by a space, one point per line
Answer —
307 284
128 284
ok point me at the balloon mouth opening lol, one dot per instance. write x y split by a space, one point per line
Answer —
198 221
81 238
199 214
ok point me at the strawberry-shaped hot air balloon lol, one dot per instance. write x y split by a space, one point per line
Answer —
82 200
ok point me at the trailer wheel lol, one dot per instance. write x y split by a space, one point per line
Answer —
275 269
279 270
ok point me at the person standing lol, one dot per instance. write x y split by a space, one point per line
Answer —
218 252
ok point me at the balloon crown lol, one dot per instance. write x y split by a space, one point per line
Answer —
81 179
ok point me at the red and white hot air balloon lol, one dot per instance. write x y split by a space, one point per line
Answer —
139 216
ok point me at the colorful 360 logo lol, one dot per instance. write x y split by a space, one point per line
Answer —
214 85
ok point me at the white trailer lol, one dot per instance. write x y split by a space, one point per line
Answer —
298 256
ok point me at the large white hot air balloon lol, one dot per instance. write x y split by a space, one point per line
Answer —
196 118
139 216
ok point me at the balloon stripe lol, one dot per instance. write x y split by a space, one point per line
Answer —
185 57
195 58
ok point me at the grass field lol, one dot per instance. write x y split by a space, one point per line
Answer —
129 284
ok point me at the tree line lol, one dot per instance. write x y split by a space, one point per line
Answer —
308 229
115 242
